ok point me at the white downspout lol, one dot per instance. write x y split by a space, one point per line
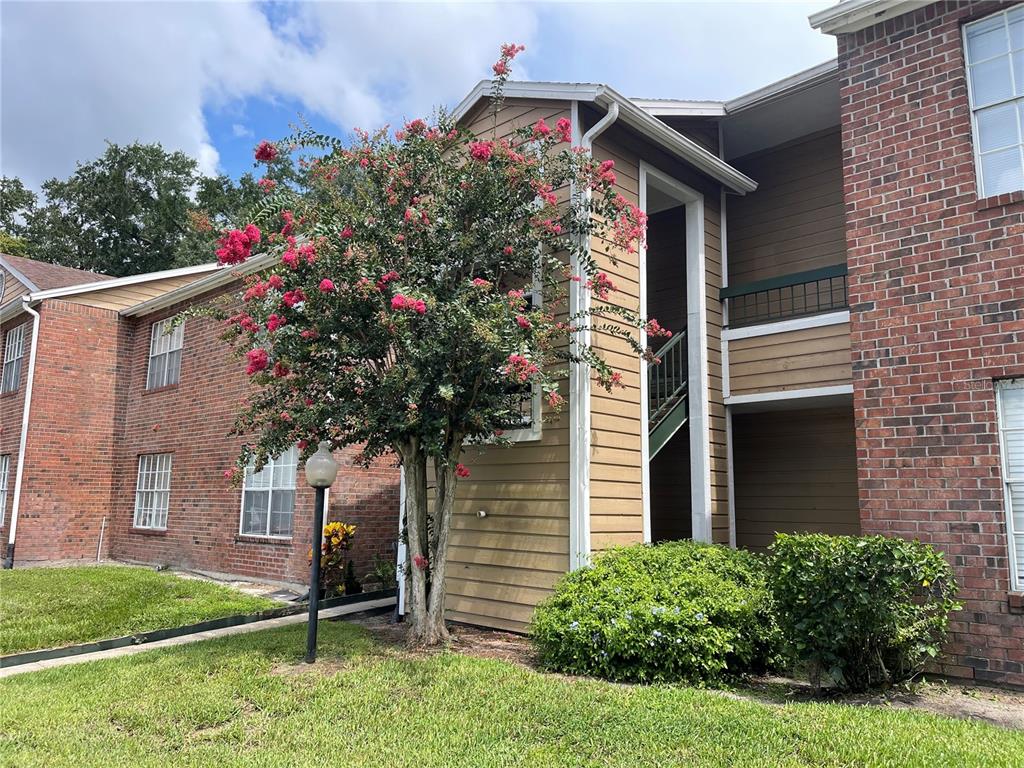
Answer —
19 475
579 379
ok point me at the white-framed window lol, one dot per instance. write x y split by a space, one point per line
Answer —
153 491
1010 406
165 353
5 465
994 50
14 351
525 400
268 497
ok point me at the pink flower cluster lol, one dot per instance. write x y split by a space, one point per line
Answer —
654 329
291 298
245 322
401 302
421 562
387 277
267 185
555 400
266 152
479 282
274 322
630 228
601 285
564 128
258 361
461 470
481 150
519 368
236 246
326 286
541 129
605 173
508 52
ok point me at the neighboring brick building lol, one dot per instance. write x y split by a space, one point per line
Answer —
935 234
102 404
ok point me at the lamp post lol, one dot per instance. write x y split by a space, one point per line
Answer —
321 469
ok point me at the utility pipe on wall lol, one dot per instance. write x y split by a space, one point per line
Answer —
579 385
16 506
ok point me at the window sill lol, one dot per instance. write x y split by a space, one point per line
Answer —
999 201
1016 602
157 390
148 531
246 538
12 393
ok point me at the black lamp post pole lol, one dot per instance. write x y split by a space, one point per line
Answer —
314 576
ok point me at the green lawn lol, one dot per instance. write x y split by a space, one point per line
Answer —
49 607
248 701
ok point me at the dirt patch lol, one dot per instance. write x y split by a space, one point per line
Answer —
323 667
471 641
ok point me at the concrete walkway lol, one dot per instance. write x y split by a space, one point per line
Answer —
130 650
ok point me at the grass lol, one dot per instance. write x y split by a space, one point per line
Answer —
248 701
51 607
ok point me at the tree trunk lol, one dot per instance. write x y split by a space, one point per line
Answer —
414 470
444 504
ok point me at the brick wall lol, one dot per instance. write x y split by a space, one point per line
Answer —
69 464
11 407
937 296
192 420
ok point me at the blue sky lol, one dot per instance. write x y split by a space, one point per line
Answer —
212 79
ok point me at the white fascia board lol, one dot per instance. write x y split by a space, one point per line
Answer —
784 326
854 15
798 82
630 114
220 277
102 285
679 108
790 394
20 277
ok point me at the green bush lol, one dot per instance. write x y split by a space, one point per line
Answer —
861 611
675 611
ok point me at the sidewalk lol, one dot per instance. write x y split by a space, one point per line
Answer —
299 618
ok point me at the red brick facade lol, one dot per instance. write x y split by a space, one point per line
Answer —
937 305
92 417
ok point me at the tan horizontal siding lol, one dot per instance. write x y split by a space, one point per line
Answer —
803 359
795 471
795 220
616 491
127 296
501 565
13 288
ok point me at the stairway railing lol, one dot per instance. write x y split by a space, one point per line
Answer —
666 380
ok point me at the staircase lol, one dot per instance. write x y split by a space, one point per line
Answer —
667 409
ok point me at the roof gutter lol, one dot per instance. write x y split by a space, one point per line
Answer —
26 409
855 15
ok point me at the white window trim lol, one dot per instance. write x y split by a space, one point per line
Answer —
270 490
157 514
158 330
5 467
975 135
14 336
1016 569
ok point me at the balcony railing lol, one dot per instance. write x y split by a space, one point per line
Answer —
780 298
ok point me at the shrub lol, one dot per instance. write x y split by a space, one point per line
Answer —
861 611
675 611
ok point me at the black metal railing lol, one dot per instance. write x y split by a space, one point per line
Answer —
779 298
666 380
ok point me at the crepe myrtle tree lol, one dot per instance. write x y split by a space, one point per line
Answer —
395 316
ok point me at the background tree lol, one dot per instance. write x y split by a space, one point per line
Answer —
395 316
134 209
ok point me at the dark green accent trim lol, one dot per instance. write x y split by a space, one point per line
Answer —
784 281
667 427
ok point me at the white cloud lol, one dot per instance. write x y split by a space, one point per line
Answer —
239 131
76 74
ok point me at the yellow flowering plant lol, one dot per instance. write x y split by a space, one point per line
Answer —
337 540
